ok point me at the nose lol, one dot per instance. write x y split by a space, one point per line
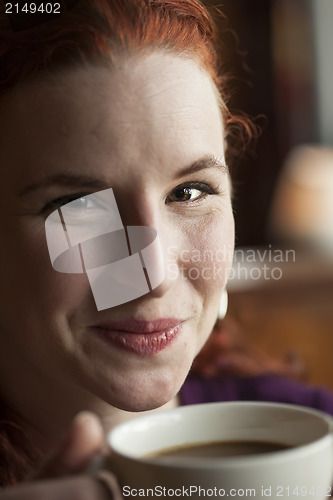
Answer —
138 271
145 241
162 267
141 211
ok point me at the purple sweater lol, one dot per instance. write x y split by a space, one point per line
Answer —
262 388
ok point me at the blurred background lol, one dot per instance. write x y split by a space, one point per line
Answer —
280 55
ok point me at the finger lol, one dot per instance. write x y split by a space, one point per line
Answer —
83 442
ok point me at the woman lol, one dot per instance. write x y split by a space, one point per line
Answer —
119 95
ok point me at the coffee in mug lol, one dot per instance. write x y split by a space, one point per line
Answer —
298 465
217 449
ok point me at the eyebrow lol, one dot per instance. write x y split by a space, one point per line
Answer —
80 181
202 164
66 180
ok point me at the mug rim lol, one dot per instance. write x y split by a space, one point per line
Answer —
292 452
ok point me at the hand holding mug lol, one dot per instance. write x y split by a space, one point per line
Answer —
63 475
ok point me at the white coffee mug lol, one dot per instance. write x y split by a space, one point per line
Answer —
304 470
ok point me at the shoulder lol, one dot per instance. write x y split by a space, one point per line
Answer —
271 388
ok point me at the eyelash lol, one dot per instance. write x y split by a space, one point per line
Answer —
200 186
205 188
63 200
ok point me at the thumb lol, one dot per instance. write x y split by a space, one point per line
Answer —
83 442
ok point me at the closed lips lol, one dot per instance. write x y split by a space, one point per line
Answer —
141 337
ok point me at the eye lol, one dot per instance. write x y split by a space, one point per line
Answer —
81 204
79 201
81 208
86 213
190 192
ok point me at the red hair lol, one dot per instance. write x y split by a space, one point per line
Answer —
96 31
17 453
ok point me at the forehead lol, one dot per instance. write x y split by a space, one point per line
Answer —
159 104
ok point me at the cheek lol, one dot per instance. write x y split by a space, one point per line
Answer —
207 259
60 293
30 281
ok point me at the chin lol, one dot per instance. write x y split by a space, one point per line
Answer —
142 406
137 405
147 397
137 384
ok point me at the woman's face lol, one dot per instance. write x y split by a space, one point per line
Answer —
151 130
